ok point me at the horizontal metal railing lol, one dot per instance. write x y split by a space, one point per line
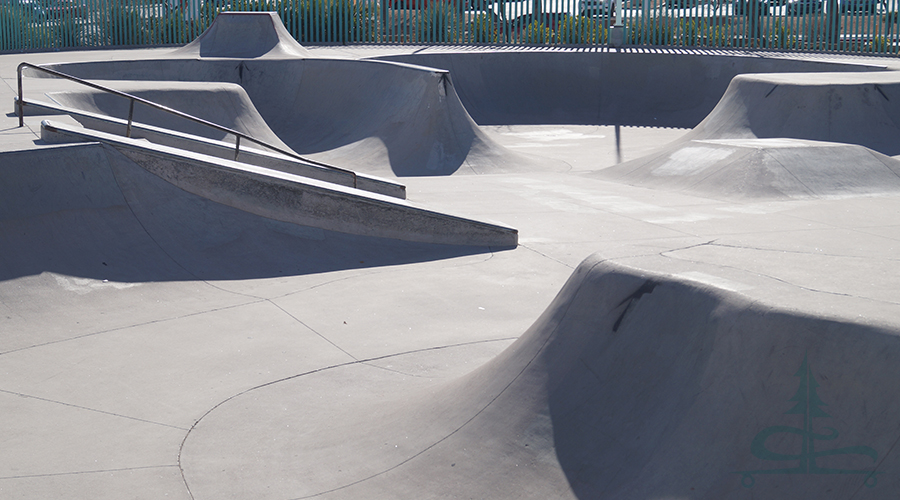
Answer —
135 99
849 26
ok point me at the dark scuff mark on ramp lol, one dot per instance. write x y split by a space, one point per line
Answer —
644 289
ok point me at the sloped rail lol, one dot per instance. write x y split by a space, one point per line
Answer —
133 99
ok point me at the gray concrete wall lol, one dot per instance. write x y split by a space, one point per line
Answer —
660 89
664 89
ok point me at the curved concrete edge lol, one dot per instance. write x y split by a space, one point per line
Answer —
218 149
784 136
376 116
222 103
630 385
639 88
379 117
761 169
244 35
543 87
290 198
851 108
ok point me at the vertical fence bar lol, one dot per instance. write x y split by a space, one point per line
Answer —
848 26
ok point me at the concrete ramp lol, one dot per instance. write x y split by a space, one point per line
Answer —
294 199
378 117
851 108
780 136
225 104
773 169
639 86
244 34
630 386
87 211
218 149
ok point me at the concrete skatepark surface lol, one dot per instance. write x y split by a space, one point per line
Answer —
663 340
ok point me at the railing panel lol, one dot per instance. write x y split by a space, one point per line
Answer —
850 26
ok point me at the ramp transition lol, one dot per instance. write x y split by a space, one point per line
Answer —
782 136
630 385
377 117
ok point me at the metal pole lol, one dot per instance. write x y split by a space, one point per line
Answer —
130 118
21 102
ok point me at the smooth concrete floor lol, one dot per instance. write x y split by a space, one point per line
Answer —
102 383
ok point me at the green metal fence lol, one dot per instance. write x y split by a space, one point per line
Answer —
857 26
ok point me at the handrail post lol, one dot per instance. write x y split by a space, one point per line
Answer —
130 118
21 103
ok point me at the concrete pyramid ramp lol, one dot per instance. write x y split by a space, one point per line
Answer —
629 386
244 34
781 136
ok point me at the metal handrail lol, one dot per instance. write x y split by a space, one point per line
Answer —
132 99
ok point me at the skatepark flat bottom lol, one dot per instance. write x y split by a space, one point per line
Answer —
638 342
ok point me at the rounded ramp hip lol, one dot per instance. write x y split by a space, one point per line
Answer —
630 385
375 117
850 108
781 136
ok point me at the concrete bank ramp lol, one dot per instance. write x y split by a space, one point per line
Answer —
94 122
373 116
89 212
630 386
781 136
295 199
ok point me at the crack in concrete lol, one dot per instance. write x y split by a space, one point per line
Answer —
796 252
134 325
780 280
102 471
90 409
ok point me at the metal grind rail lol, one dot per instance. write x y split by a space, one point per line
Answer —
133 99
